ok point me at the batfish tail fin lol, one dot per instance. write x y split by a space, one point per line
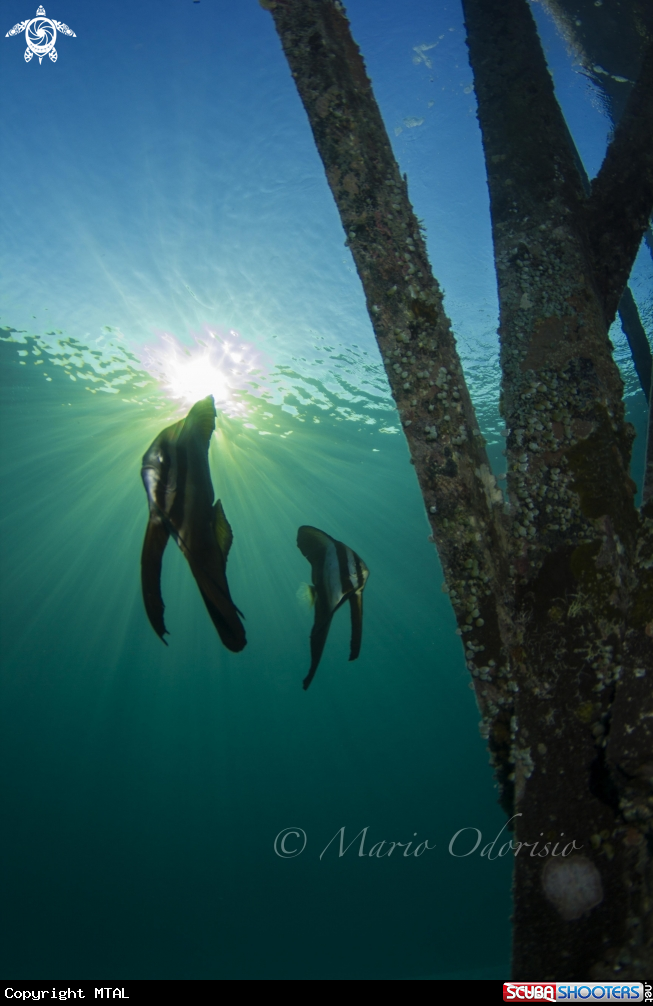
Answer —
318 638
156 539
220 607
356 606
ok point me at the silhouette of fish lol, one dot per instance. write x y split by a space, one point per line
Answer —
177 480
339 575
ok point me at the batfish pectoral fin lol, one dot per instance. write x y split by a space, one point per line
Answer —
223 532
319 635
219 605
306 594
356 606
156 539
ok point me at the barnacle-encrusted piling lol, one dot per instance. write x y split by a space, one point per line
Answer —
463 504
556 615
647 491
582 643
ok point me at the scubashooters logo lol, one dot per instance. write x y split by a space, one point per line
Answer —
40 35
556 992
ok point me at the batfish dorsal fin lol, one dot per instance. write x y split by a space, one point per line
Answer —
223 611
319 635
356 606
202 418
313 543
156 539
223 531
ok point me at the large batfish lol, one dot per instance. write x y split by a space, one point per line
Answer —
177 480
339 575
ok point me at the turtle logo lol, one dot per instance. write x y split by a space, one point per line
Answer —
40 35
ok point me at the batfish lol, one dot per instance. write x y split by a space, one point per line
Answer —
339 575
177 481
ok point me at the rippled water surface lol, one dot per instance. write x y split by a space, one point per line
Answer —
168 233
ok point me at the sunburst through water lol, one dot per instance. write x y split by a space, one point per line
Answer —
217 363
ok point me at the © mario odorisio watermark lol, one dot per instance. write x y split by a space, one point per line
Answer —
291 842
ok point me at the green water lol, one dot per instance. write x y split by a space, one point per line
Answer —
145 785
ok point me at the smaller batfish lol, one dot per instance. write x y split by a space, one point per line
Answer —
177 480
339 575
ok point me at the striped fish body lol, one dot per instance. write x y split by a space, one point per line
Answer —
177 480
339 575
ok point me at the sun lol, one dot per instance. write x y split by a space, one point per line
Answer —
216 363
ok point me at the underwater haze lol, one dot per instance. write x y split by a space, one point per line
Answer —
168 233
